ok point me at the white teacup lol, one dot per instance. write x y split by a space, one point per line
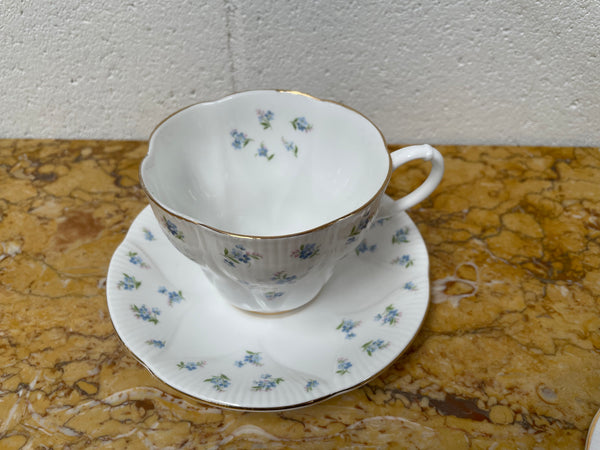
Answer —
268 190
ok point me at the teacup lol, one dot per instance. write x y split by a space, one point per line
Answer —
268 190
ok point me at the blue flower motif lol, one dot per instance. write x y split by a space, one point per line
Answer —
172 228
272 295
240 139
191 365
290 147
156 343
219 382
390 316
343 366
372 346
310 385
283 278
410 286
356 229
252 358
301 124
136 259
401 236
383 220
364 247
266 383
128 283
174 296
403 261
147 315
148 234
239 255
306 251
264 152
264 118
347 326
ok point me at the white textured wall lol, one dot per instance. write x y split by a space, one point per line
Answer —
465 71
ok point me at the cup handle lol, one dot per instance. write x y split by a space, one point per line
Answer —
401 156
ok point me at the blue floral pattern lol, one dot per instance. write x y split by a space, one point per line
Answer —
363 247
390 316
137 260
356 229
264 118
410 286
156 343
404 261
174 296
257 372
306 251
264 152
240 140
310 385
219 382
266 383
282 277
347 326
172 228
382 221
290 147
401 236
272 295
343 366
252 358
128 283
146 314
239 255
191 365
301 124
372 346
148 234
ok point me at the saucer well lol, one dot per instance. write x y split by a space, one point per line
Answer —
175 322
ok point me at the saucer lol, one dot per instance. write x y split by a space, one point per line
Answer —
175 322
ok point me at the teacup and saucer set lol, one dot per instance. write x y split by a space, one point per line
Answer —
270 271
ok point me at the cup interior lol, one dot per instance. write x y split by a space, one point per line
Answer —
265 163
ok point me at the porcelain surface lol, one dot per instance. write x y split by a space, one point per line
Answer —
265 163
268 190
174 320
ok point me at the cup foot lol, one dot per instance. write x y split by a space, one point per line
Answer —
275 313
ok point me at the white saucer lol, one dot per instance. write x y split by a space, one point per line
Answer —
172 319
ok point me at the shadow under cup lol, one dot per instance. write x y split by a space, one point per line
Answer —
266 191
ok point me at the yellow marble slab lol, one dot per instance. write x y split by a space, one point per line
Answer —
509 355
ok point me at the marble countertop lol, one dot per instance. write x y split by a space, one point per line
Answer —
508 356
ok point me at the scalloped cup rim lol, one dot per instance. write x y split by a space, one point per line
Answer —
153 197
